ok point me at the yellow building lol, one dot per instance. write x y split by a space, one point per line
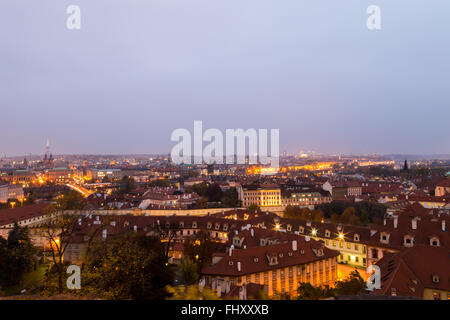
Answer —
280 268
260 195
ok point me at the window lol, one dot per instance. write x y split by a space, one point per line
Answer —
436 296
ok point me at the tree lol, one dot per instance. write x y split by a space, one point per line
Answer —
199 248
352 285
58 231
306 291
202 202
70 200
254 207
17 256
127 185
230 198
189 271
192 292
127 266
292 212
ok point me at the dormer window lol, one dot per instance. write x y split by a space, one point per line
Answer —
434 242
356 237
280 255
217 226
167 225
194 224
301 229
225 227
209 225
181 224
255 260
290 254
384 237
327 233
435 278
408 241
230 263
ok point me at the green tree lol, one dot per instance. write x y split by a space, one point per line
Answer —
306 291
292 212
189 271
127 184
192 292
230 198
17 256
199 248
58 231
352 285
127 266
70 200
254 207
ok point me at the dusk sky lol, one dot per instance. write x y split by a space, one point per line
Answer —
138 69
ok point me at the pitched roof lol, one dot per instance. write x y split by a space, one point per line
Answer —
256 259
8 216
406 272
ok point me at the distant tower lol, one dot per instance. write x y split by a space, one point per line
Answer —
47 149
405 166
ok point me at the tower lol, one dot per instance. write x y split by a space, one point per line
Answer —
405 166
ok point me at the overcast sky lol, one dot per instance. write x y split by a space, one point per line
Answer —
138 69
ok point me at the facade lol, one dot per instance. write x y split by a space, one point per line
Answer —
14 191
99 174
443 188
59 175
260 195
23 177
306 198
280 268
342 190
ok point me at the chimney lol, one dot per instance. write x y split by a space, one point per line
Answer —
231 250
252 232
104 233
443 227
113 223
294 245
384 221
79 221
307 238
135 228
239 266
414 224
395 222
